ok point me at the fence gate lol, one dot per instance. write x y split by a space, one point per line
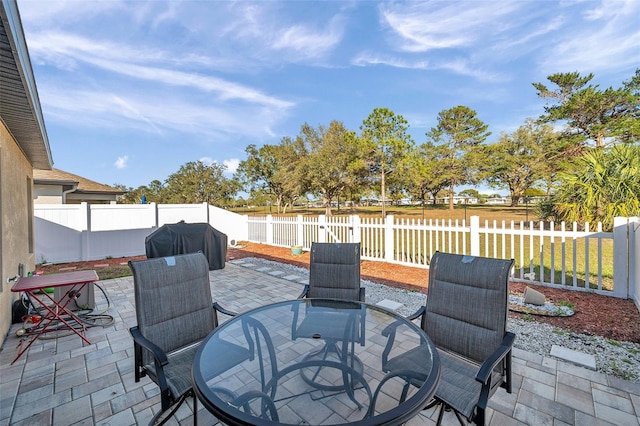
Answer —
339 229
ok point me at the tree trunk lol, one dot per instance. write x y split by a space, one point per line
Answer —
278 203
327 206
451 197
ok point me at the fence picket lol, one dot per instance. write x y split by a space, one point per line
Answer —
87 232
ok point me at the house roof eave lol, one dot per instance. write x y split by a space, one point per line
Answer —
20 109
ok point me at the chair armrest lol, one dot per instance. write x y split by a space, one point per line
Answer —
139 339
305 291
223 310
497 356
390 332
420 312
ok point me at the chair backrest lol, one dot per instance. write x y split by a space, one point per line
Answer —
334 271
173 299
467 304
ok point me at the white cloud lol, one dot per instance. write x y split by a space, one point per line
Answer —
459 66
483 36
121 162
463 66
207 161
274 33
231 165
607 39
421 27
371 58
67 49
46 13
155 113
307 42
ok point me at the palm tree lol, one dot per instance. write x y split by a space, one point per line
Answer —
605 184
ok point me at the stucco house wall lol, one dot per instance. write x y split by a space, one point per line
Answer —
47 194
16 224
23 146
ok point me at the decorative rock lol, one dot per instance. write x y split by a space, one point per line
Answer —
533 297
619 358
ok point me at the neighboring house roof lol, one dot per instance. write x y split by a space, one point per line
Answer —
19 102
66 179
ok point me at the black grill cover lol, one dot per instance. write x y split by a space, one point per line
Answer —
183 238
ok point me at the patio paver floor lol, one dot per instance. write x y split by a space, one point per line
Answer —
61 382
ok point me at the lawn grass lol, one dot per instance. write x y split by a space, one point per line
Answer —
113 271
531 255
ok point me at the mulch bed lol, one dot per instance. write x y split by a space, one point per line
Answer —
606 316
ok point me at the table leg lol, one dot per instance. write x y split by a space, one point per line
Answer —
54 312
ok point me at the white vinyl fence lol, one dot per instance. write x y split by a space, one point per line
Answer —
74 232
556 255
545 253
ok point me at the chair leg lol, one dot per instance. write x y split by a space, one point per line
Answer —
440 414
171 413
444 407
195 408
508 373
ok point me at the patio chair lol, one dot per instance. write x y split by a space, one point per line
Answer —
175 311
334 273
466 317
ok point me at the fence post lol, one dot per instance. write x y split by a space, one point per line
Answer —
85 217
322 228
269 230
389 238
355 228
621 257
244 235
85 233
300 229
474 235
205 206
634 259
154 206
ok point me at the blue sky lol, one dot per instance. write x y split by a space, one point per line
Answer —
132 90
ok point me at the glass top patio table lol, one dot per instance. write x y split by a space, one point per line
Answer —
292 377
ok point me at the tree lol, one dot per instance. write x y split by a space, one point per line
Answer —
332 163
196 182
517 159
129 197
593 116
154 191
605 184
385 145
134 195
426 168
470 193
273 168
458 133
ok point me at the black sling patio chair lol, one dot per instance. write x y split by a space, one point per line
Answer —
175 312
334 273
466 318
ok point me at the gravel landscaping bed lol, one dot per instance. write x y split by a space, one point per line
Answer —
620 359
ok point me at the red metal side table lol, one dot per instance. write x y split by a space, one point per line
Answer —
55 310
